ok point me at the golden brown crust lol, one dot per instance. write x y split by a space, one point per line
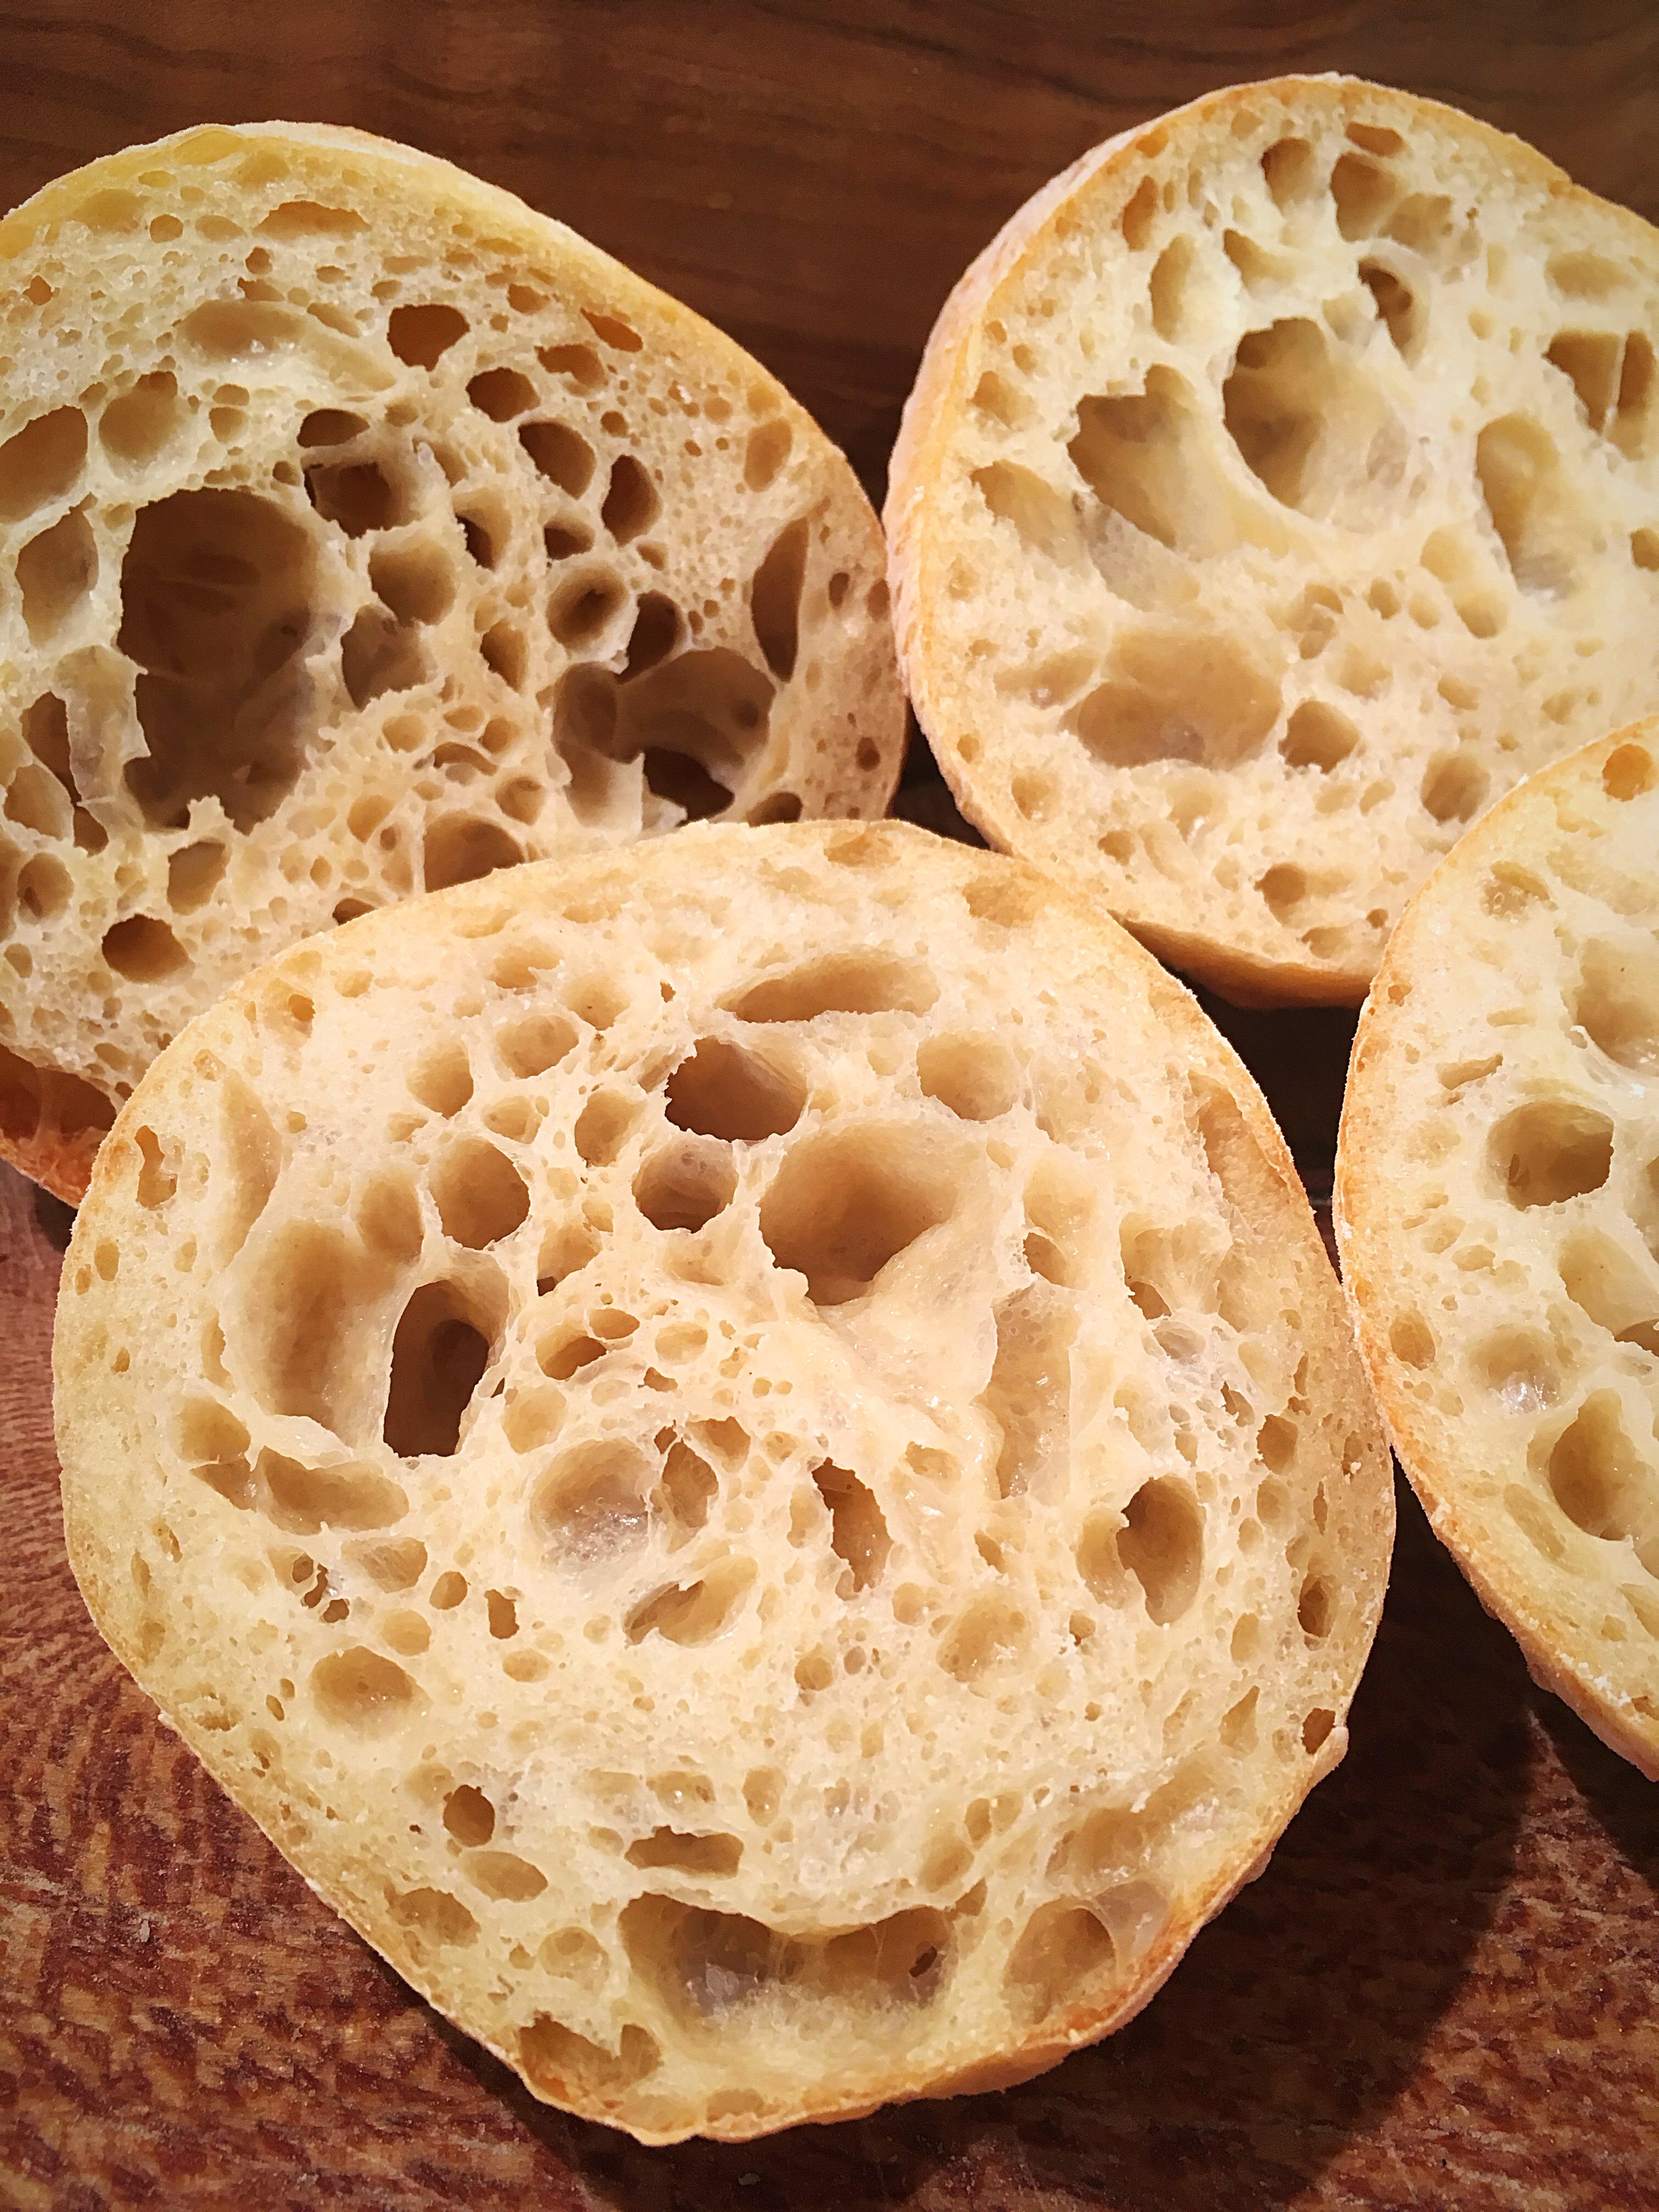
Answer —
1492 1039
1317 942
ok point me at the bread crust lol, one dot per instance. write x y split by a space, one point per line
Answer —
1042 1908
553 568
981 741
1492 1413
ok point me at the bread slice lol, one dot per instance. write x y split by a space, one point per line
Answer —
745 1451
362 530
1280 486
1498 1211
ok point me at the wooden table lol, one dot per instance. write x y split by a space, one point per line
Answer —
1445 1990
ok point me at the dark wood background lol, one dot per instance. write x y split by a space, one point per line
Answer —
1445 1991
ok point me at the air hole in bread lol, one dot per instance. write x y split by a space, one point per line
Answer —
1611 1286
560 454
858 1531
1170 289
442 1078
1520 476
1602 1482
765 452
593 1502
481 1196
603 1126
632 502
55 572
193 873
329 426
533 1418
696 1613
575 2071
1064 1948
1315 1608
380 654
1517 1365
656 633
1397 306
992 1631
1312 427
687 1488
1291 172
364 1692
1364 192
579 362
1044 517
1316 1728
442 1920
1453 784
867 982
505 1875
1628 771
303 1499
41 462
45 887
438 1354
136 425
1147 457
724 1091
1616 1001
687 1854
217 590
1317 736
584 605
532 1046
1591 360
975 1076
448 1591
310 1338
415 581
502 393
1162 1544
420 334
469 1815
1549 1150
396 1564
1028 1393
459 848
684 1185
386 1211
1178 695
774 599
844 1204
357 496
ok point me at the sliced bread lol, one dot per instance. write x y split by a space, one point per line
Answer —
1280 486
1498 1211
744 1451
361 531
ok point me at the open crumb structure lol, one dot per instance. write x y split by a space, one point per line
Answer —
1279 487
1497 1204
361 532
747 1453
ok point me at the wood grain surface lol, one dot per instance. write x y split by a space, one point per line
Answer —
1445 1990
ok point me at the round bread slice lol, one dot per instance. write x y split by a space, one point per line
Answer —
1498 1211
745 1451
361 531
1280 487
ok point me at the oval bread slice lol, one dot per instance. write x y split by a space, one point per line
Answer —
744 1451
1280 486
1498 1208
361 532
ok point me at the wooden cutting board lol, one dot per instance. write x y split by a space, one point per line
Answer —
1444 1992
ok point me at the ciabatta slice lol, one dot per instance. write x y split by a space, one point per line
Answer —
362 531
1498 1208
1280 487
744 1451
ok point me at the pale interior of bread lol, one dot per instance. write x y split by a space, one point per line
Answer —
361 531
1287 495
1499 1197
747 1453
